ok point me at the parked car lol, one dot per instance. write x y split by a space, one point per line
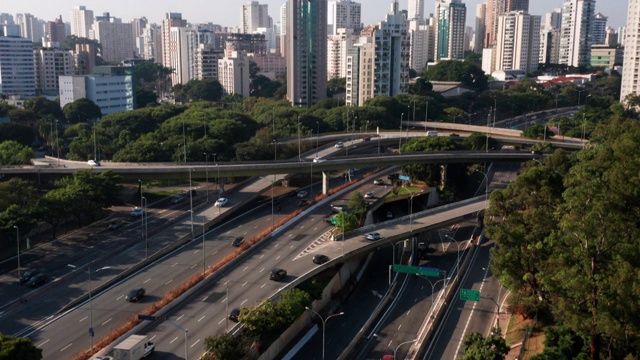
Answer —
221 202
37 280
238 241
234 315
27 275
135 295
368 195
378 182
93 163
373 236
278 274
302 194
366 139
320 259
339 145
319 160
137 212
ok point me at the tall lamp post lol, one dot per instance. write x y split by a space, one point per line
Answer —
395 351
141 207
91 333
218 178
317 138
324 324
57 143
400 137
191 202
206 171
275 158
486 184
145 221
18 242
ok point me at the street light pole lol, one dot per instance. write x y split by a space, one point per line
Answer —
142 207
324 324
486 184
204 261
145 221
214 161
206 170
191 202
395 352
400 137
275 158
18 242
317 138
91 333
299 153
57 143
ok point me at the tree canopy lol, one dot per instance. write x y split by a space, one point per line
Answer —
18 348
465 72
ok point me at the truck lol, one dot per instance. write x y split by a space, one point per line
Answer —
135 347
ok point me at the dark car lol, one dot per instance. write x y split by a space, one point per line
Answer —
135 295
278 274
303 202
238 241
27 275
37 280
234 315
320 259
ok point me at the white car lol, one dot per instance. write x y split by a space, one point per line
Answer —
319 160
373 236
339 145
302 194
93 163
368 195
221 202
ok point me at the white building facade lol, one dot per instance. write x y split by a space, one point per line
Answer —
576 34
233 74
110 93
518 45
337 47
631 41
49 64
450 29
17 75
81 21
343 14
254 16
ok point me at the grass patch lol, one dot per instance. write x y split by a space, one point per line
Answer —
515 334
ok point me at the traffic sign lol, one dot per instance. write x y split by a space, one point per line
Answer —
146 317
416 270
469 295
404 177
91 333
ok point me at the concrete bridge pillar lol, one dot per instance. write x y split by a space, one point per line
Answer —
221 186
325 183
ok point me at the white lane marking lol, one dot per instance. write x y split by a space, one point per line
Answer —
195 252
473 308
83 319
263 285
120 297
153 337
301 227
290 247
399 326
290 235
408 312
194 344
261 256
146 281
276 245
261 270
174 264
227 232
245 269
168 282
171 342
278 257
245 300
180 317
46 341
205 298
215 252
65 348
105 323
223 300
221 321
245 283
203 316
255 227
194 265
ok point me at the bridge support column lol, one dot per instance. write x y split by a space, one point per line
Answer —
221 186
325 183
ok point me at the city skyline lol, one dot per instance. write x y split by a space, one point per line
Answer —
373 11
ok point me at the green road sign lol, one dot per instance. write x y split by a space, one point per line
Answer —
469 295
334 221
416 270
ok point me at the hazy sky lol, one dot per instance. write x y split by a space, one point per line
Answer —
227 12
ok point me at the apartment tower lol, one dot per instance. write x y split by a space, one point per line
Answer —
576 33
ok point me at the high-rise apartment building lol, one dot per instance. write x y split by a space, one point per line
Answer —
306 54
254 16
81 21
631 42
552 19
419 39
549 46
111 91
233 74
337 47
56 31
48 65
481 18
576 34
30 27
416 10
171 20
494 9
450 28
599 28
360 72
518 42
343 14
115 37
17 75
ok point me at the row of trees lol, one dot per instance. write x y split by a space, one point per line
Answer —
567 240
80 198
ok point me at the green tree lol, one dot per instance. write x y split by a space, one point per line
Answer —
81 110
292 303
561 343
13 153
18 348
44 108
476 347
461 71
224 346
264 318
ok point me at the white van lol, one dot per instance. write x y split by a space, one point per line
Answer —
432 133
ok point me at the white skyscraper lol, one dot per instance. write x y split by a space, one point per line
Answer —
576 32
16 67
518 41
343 14
553 19
481 14
419 39
233 74
631 41
337 47
392 49
49 64
81 21
254 16
115 37
416 9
